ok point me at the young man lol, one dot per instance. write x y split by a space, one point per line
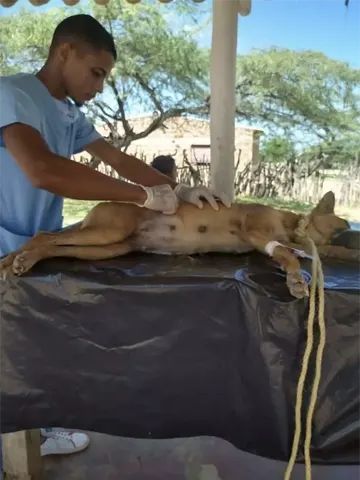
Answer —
41 127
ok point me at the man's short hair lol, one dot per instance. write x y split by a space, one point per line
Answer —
86 29
164 164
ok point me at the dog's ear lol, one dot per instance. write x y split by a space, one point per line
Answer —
326 205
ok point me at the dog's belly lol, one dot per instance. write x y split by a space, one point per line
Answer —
169 235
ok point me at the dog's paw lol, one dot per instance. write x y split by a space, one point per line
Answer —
6 271
23 262
6 267
297 285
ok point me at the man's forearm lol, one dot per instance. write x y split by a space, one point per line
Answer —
138 171
70 179
62 176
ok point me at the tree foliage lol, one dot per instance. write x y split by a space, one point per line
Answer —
308 103
278 149
303 92
158 70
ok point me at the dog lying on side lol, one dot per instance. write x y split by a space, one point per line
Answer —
112 229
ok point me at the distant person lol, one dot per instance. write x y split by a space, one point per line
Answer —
166 165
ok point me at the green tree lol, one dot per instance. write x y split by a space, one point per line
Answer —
159 70
336 153
278 150
298 93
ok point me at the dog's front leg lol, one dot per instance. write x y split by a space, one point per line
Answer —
286 259
335 252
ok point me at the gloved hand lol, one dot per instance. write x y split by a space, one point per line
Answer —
161 198
193 195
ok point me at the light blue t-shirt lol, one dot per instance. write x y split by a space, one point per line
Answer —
24 209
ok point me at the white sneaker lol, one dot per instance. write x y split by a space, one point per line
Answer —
63 443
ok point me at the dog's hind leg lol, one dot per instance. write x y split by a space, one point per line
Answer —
285 258
106 224
93 236
38 239
87 236
81 239
28 259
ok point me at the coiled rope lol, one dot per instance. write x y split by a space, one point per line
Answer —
317 281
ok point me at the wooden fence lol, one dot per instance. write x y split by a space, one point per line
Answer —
286 182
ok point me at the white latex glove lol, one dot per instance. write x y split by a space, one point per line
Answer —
161 198
193 195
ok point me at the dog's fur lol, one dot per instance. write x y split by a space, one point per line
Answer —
112 229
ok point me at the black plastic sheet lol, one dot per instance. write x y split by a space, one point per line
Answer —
161 347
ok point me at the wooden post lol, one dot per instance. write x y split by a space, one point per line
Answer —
222 91
21 455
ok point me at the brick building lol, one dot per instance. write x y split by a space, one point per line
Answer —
181 137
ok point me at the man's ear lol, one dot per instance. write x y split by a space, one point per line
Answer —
326 205
64 51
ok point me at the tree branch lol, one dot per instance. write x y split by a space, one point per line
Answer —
150 91
127 128
159 121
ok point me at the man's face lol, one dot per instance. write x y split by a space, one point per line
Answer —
84 72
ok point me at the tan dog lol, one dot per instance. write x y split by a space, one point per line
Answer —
112 229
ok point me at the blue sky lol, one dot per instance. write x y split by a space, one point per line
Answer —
324 25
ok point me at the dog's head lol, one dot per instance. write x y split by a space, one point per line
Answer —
324 226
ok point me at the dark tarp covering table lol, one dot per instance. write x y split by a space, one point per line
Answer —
156 347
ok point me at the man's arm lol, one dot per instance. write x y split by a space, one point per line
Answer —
128 166
60 175
138 171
